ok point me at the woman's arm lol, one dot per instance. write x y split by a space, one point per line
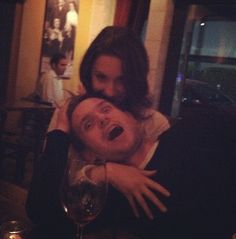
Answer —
135 184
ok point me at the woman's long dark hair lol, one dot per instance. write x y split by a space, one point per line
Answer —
122 43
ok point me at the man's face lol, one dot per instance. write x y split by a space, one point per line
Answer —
110 133
60 67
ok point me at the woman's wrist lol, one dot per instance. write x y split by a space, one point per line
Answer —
110 167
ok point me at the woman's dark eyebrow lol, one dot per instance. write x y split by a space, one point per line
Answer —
98 72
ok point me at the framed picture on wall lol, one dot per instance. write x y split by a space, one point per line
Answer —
59 32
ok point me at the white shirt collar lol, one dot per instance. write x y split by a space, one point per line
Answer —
149 155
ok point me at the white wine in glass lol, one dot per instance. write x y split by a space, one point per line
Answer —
83 192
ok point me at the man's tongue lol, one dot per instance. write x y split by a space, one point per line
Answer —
115 132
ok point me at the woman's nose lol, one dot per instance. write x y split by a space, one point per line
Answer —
109 90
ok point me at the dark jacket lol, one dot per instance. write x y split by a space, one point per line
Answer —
197 164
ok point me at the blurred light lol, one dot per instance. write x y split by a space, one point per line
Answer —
202 24
179 77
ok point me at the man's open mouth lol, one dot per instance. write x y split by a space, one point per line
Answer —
115 132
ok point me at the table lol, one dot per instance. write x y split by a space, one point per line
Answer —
32 122
24 104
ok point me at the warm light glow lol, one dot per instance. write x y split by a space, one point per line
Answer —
15 236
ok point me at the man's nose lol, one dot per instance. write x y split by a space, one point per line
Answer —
103 121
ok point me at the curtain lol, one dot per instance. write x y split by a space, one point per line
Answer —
132 13
122 12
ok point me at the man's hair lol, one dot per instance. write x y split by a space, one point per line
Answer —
124 44
55 59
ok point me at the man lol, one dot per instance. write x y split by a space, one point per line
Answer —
51 87
196 163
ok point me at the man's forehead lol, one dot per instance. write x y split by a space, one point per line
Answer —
86 110
89 105
92 103
63 61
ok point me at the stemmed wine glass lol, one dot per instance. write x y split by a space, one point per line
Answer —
83 192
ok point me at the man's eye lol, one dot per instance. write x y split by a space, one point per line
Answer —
87 125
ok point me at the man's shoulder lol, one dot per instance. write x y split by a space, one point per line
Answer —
48 74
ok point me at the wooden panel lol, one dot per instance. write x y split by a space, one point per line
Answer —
12 202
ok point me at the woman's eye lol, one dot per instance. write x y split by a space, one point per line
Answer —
100 77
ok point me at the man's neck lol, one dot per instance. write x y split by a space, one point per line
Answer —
140 154
55 74
136 158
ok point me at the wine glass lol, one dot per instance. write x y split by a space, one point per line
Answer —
83 192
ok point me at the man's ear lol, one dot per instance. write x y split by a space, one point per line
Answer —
53 66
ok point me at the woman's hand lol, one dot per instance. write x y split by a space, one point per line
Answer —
135 184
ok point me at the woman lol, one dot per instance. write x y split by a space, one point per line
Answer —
116 65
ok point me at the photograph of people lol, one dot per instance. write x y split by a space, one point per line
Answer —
69 31
60 24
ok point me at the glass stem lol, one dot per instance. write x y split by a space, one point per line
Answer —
79 233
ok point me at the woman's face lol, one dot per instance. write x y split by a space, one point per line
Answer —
107 77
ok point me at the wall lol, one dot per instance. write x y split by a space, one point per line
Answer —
156 42
103 12
31 36
14 53
30 46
